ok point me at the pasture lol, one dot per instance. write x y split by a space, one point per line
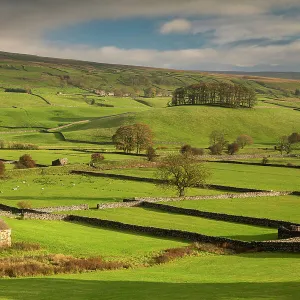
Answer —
66 118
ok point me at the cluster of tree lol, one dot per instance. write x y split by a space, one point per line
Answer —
221 94
285 143
133 137
182 172
219 143
25 162
18 90
189 150
152 92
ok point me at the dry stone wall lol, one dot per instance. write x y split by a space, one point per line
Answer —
63 208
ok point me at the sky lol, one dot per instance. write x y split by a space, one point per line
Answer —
208 35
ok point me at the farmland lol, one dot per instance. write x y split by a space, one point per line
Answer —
65 116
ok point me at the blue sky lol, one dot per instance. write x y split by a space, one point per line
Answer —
249 35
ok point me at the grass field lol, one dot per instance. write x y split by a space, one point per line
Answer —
146 217
56 190
64 94
251 276
80 240
279 208
247 176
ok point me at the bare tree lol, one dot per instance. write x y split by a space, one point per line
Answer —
181 172
244 140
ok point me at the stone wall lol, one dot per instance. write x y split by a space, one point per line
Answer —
5 238
212 197
217 216
63 208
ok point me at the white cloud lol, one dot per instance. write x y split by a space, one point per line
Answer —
204 59
176 26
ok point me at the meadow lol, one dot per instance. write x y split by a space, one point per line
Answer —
63 116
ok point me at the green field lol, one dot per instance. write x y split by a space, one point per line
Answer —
279 208
146 217
80 240
64 93
57 190
252 276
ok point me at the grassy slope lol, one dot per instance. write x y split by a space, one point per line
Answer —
80 240
145 217
254 276
279 208
193 124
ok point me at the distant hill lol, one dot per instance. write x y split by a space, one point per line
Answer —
46 75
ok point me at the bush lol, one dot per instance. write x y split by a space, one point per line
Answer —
21 146
25 162
97 157
265 161
151 153
186 149
216 149
197 151
233 148
24 204
2 168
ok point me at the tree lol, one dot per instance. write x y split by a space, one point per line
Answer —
143 137
150 92
284 145
25 162
297 92
181 172
124 139
218 137
233 148
2 168
244 140
150 153
294 138
24 205
216 149
137 136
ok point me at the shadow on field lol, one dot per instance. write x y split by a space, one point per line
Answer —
249 237
49 288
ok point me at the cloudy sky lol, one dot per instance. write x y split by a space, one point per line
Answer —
250 35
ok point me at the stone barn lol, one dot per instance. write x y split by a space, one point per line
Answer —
60 162
5 235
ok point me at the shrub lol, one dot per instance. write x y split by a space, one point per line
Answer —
186 149
97 157
233 148
25 162
21 146
2 168
151 153
265 161
24 204
216 149
197 151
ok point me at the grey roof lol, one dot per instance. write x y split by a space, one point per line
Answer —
3 225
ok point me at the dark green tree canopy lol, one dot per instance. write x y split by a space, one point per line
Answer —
218 94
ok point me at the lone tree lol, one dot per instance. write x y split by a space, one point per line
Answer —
181 172
284 145
96 158
244 140
2 168
217 141
137 136
25 162
150 153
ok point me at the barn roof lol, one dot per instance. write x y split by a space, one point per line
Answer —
3 225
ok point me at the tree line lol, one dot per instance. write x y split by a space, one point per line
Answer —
221 94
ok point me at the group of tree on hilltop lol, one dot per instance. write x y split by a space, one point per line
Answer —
220 94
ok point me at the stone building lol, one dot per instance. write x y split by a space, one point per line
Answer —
5 235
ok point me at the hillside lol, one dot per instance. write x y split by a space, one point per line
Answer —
63 93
